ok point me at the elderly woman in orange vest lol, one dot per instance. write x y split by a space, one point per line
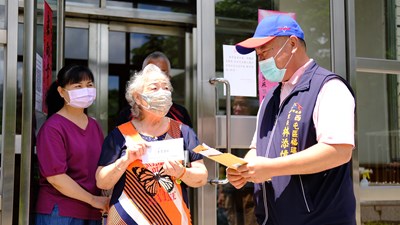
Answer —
149 192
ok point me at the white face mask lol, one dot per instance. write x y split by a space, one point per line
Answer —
158 102
82 97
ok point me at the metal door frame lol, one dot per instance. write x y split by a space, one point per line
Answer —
206 110
9 115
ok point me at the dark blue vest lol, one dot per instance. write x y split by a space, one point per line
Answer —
316 199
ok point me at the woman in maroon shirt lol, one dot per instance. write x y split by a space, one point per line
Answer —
68 148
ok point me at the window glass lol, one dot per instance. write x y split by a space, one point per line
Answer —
242 105
314 19
127 52
2 73
20 39
76 43
2 14
372 13
20 70
39 40
18 127
236 22
88 2
117 46
235 206
113 101
120 4
378 94
181 6
378 127
155 7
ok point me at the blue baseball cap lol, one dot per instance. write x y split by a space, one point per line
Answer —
269 28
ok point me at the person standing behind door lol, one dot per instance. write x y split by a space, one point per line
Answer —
68 148
301 166
176 112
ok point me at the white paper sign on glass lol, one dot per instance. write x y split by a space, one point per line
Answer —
240 70
166 150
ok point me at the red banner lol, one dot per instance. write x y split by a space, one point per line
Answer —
47 51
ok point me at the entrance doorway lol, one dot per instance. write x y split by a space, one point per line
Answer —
112 65
127 50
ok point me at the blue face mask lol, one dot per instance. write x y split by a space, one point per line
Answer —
270 71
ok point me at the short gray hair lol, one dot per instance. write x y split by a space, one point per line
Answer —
136 85
157 55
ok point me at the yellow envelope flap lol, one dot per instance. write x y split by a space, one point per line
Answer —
226 159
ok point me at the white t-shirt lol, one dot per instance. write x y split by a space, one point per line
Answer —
333 114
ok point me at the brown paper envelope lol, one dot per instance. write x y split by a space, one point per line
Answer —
228 160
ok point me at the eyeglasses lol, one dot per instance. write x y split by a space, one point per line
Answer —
264 53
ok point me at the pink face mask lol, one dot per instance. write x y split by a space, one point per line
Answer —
82 97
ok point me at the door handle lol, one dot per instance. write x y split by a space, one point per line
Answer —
215 81
217 181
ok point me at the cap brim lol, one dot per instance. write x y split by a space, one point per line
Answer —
248 45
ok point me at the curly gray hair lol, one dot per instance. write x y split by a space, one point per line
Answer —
136 85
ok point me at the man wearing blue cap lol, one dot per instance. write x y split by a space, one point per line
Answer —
305 134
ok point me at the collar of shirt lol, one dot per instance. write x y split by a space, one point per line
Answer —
289 85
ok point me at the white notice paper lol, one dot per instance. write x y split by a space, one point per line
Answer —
166 150
240 71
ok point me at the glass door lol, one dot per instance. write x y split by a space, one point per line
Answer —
127 50
234 23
